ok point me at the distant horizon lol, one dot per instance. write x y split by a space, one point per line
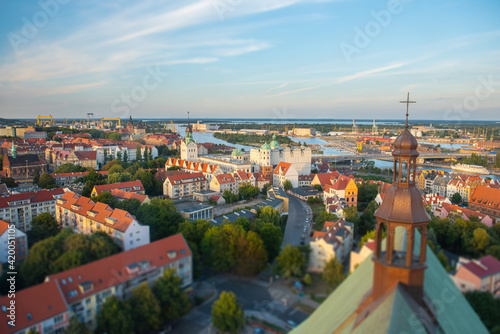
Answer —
260 58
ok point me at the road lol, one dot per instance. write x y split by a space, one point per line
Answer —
297 214
252 294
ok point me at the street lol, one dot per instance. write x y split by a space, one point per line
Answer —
297 216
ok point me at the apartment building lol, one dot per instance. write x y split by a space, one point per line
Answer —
19 209
81 291
85 216
131 186
183 185
21 243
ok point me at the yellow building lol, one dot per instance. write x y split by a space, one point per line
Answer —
421 181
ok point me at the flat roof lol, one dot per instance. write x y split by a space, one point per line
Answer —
232 217
191 206
306 191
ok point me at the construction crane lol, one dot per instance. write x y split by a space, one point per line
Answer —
40 120
286 128
111 119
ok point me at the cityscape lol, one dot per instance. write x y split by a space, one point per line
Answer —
249 167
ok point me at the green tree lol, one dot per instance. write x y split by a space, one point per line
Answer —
251 256
229 196
481 240
227 315
287 185
106 198
130 205
247 191
272 238
146 313
333 272
161 216
486 307
115 316
125 156
43 226
219 246
119 155
290 262
114 136
36 175
148 181
269 215
351 214
46 181
69 168
138 153
321 218
366 193
307 279
441 256
76 327
497 160
370 235
118 177
456 198
115 169
91 179
174 303
194 231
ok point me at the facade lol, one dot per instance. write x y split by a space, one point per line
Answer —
285 172
333 241
456 185
344 188
35 135
448 210
482 274
184 185
435 201
227 164
131 186
440 185
304 132
20 245
305 180
85 216
19 209
195 210
208 170
23 167
272 154
223 182
486 200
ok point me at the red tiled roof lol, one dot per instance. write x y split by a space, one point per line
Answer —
86 155
33 196
327 178
41 302
225 178
112 270
108 187
128 195
282 167
485 266
486 196
3 226
185 178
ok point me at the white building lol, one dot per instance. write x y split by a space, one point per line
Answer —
283 172
19 209
85 216
272 154
16 239
334 241
189 148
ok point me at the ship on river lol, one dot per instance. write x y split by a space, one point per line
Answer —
472 169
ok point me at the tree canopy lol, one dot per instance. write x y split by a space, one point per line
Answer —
70 168
43 226
333 273
174 303
161 216
46 181
227 315
290 262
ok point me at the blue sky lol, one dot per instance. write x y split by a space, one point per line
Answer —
280 59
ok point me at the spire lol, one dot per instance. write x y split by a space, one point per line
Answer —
402 208
14 154
407 105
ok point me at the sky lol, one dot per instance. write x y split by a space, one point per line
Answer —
278 59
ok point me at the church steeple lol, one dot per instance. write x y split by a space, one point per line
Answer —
403 209
189 132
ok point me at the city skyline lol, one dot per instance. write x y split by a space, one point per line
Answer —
259 59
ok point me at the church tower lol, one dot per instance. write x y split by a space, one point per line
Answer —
402 208
189 148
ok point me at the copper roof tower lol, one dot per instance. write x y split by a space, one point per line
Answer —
403 207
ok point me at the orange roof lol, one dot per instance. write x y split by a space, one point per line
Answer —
225 178
3 226
486 196
128 195
185 178
327 178
118 268
282 167
136 186
34 305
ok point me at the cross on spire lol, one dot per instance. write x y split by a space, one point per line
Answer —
407 106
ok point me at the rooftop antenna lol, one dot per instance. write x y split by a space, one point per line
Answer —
407 106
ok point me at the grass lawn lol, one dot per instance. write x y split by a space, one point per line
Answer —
318 286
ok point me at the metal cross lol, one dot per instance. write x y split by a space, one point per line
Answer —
407 105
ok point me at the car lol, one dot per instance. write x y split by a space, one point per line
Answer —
291 323
307 220
259 330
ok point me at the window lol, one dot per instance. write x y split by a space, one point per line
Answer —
58 319
87 301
